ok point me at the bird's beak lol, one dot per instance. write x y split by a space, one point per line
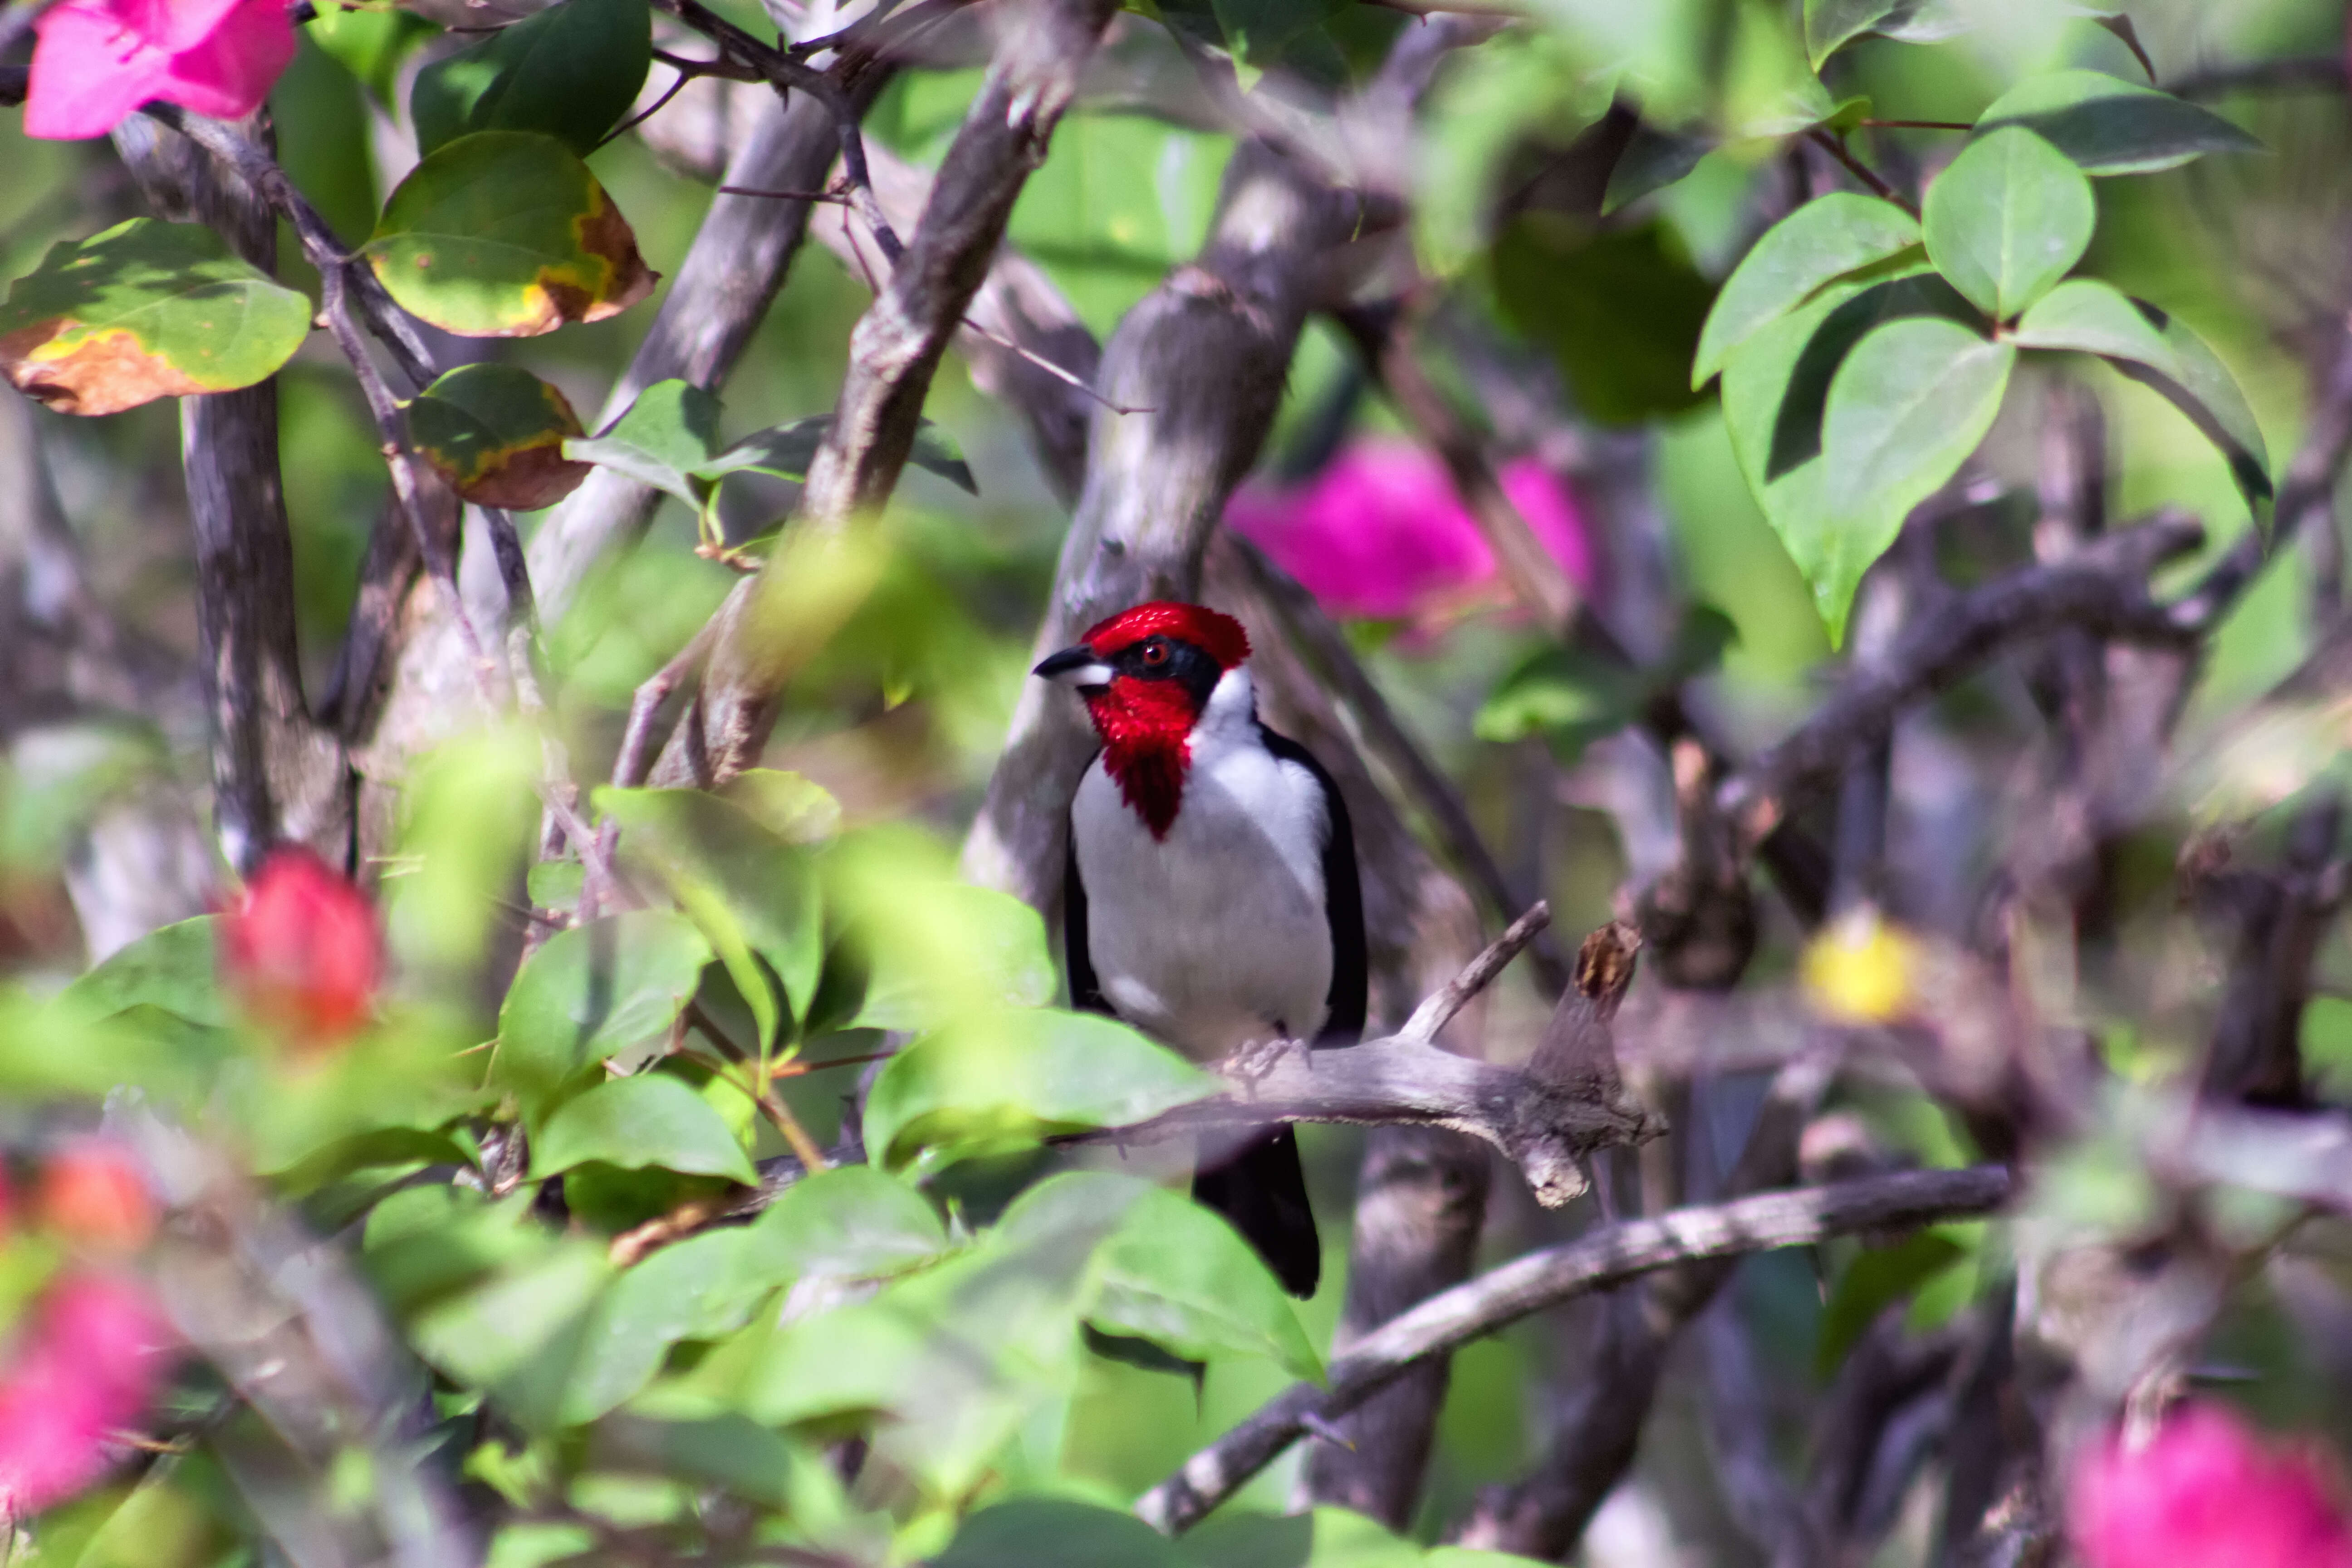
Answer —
1077 667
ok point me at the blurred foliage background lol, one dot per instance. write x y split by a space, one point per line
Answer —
1593 301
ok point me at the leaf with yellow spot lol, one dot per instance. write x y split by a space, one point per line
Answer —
505 234
1862 970
144 309
496 433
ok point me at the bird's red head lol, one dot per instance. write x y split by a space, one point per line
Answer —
1146 675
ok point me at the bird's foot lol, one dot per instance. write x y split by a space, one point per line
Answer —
1254 1060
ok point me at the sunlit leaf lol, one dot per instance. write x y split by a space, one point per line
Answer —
662 438
1183 1278
650 1119
175 967
496 432
1776 389
786 451
695 1289
1905 411
2006 220
593 990
747 890
1006 1077
505 234
1824 240
853 1222
1831 24
2110 126
142 311
2092 317
518 1332
571 71
2199 385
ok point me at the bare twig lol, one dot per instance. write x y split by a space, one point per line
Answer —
2103 587
896 349
1542 1279
785 74
1438 1011
2315 73
1836 148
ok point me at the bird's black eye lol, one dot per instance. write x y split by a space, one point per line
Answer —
1155 653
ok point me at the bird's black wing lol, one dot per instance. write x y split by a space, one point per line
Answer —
1086 991
1343 903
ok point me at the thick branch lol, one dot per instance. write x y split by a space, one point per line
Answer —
1543 1129
894 352
276 774
1540 1280
2103 589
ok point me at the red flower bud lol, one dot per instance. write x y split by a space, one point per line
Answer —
93 1192
302 948
2205 1492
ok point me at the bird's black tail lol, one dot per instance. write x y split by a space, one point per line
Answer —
1263 1192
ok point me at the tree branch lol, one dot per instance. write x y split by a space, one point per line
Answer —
2103 588
893 355
1608 1257
276 773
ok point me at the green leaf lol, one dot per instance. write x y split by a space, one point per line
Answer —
792 806
370 43
593 990
1824 240
1776 388
2200 386
1053 1532
786 451
665 435
852 1222
746 890
1654 158
1831 24
2006 220
957 1356
2096 318
1905 411
571 71
1015 1076
1183 1278
142 311
518 1333
496 432
1325 1538
175 967
1873 1282
699 1289
1620 310
2110 126
1567 696
505 234
650 1121
937 950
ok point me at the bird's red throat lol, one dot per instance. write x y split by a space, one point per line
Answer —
1147 733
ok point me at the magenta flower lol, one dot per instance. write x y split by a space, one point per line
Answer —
1381 532
100 59
2205 1492
86 1361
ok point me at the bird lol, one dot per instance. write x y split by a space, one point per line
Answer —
1211 896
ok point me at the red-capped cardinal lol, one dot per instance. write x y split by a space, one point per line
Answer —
1211 898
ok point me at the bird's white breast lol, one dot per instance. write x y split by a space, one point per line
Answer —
1216 936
